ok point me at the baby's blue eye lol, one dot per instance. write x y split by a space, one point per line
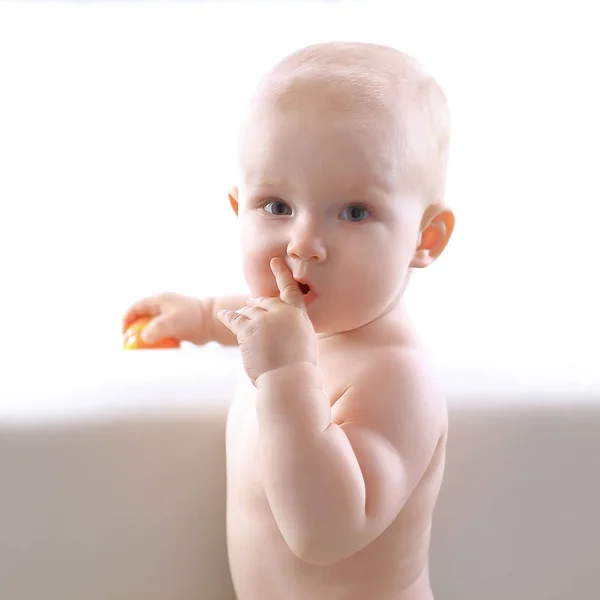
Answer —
356 213
277 207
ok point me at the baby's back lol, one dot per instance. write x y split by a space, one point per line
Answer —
392 567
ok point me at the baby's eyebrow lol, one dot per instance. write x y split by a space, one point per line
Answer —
372 193
269 186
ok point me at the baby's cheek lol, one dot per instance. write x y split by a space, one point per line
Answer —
380 280
257 273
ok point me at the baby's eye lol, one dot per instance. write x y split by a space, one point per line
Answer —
277 207
356 213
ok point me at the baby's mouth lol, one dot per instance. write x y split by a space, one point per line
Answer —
304 288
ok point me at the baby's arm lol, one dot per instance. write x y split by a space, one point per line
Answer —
184 318
336 478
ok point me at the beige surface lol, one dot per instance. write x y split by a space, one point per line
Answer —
113 483
519 514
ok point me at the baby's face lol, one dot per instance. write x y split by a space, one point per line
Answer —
322 191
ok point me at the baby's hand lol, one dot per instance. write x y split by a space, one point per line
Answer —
175 316
273 332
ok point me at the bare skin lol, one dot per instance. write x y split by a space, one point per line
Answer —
398 441
336 440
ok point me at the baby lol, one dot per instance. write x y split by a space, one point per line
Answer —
336 441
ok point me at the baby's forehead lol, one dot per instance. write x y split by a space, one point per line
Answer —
350 136
335 146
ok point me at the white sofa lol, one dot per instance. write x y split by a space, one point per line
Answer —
113 483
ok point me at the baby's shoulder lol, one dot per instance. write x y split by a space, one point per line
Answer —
389 385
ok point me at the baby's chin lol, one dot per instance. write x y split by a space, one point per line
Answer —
329 323
342 319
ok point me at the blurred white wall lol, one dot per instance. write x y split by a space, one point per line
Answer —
117 124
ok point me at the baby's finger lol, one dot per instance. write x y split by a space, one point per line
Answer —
147 307
263 302
235 321
287 285
159 328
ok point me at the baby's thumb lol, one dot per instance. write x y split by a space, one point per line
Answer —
155 330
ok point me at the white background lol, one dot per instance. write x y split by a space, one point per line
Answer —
117 125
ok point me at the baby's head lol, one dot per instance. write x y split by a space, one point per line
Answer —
343 159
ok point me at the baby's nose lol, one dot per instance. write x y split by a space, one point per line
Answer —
307 246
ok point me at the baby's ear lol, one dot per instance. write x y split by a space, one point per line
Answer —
233 199
436 229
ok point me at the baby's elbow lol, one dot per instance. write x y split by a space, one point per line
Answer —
321 550
326 548
319 556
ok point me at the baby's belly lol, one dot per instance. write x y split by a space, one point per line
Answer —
394 567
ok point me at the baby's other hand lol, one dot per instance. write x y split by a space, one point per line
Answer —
174 316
